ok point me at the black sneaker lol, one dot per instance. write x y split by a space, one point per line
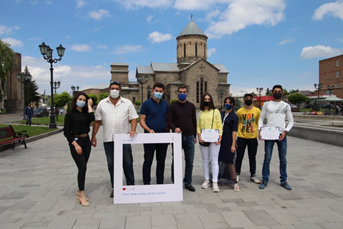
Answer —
189 187
111 195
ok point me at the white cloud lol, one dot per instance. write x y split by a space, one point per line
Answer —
13 42
135 4
319 51
80 3
35 39
102 47
128 48
80 75
149 18
214 13
334 9
156 37
80 48
97 15
194 4
242 13
67 37
291 40
211 51
33 2
7 30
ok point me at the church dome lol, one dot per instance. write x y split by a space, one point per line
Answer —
191 29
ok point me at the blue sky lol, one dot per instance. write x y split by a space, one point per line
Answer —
260 42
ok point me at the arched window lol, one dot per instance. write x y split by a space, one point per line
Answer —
201 88
196 49
184 50
148 92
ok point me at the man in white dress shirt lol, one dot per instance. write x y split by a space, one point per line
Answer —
116 112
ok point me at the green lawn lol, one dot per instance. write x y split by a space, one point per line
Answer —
44 121
31 130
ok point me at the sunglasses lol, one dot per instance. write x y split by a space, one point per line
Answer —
115 82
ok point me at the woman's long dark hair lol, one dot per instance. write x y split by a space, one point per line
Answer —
76 96
202 106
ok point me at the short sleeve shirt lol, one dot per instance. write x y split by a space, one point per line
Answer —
115 118
155 114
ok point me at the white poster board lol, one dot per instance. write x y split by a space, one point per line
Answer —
147 193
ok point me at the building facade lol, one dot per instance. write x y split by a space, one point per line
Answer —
192 69
331 74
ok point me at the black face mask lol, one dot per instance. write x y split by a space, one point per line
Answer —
248 102
206 104
277 95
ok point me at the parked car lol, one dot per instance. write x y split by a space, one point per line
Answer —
294 106
41 112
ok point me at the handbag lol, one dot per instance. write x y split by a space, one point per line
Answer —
207 144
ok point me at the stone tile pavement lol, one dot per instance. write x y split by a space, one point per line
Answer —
38 187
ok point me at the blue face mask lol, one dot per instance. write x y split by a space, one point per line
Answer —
228 107
182 97
158 95
80 103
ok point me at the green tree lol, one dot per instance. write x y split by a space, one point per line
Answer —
268 92
60 100
315 106
285 92
94 97
174 100
30 89
138 102
103 95
6 62
238 105
297 98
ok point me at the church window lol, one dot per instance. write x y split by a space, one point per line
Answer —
196 49
201 88
184 50
198 99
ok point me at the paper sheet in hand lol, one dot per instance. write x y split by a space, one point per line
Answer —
270 133
210 135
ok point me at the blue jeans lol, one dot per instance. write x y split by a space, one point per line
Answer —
161 153
268 149
188 148
127 162
28 120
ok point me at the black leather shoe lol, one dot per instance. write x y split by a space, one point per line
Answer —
111 195
189 187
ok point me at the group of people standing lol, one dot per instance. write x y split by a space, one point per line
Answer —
236 131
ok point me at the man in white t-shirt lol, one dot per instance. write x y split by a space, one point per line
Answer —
116 112
275 112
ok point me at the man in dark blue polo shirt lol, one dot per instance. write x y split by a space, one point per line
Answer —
153 120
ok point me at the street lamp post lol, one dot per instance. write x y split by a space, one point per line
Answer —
74 88
221 93
330 88
57 85
22 77
259 90
142 80
46 51
318 87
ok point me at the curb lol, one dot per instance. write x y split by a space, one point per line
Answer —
33 138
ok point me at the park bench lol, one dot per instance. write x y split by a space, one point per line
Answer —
9 136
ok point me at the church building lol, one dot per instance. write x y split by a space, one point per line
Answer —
192 69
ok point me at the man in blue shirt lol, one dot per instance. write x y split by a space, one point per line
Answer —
28 113
153 120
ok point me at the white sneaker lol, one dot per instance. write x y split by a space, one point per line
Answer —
237 178
236 187
255 180
215 187
206 184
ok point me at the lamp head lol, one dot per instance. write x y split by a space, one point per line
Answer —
43 49
60 50
49 52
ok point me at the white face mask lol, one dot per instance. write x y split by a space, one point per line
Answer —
114 93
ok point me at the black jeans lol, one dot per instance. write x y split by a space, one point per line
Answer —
252 150
81 160
161 153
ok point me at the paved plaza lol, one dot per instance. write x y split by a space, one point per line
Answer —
38 190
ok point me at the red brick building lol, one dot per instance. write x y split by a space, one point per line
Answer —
331 74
